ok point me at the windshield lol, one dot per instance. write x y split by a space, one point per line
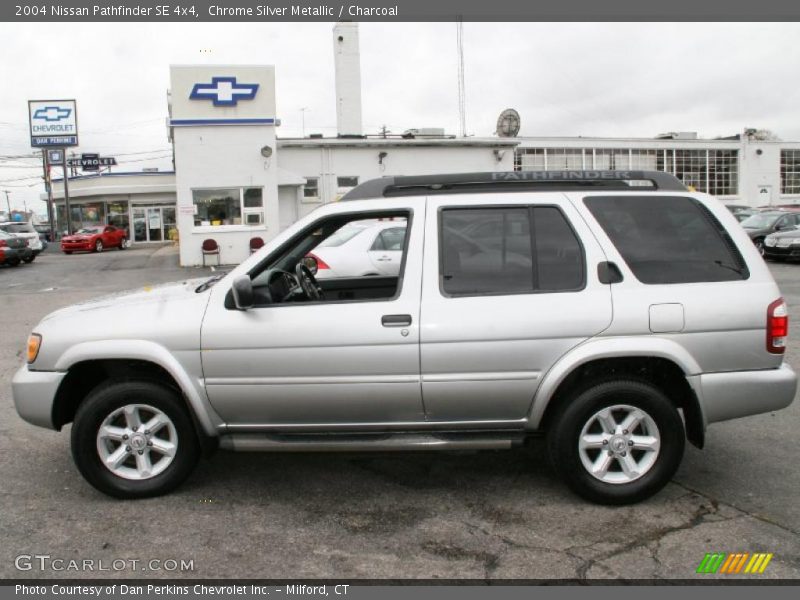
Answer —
761 221
17 228
345 234
88 230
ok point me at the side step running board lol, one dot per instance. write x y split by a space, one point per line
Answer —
383 442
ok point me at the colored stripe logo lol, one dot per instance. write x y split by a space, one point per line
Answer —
734 563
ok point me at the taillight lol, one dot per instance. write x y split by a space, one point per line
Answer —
3 243
777 326
321 264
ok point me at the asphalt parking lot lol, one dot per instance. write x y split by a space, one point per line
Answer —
461 515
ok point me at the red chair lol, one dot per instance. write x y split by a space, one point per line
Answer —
210 248
256 243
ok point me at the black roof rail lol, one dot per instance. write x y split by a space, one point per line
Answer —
513 181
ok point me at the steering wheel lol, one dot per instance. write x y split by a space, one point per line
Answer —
308 282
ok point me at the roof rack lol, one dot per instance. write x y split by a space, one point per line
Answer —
513 181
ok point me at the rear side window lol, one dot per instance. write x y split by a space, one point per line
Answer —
390 239
508 250
666 239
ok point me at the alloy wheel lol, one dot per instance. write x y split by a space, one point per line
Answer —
619 444
137 442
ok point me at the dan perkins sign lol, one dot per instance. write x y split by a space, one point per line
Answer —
53 123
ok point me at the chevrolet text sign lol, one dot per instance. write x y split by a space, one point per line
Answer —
53 123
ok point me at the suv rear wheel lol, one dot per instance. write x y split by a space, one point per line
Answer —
134 439
617 442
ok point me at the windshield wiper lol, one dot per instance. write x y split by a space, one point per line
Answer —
208 283
730 267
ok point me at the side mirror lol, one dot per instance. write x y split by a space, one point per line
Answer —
242 292
310 263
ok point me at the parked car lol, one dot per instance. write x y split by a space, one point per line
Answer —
94 239
745 213
15 249
760 225
26 231
578 318
44 233
360 249
782 245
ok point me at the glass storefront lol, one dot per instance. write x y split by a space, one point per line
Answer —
154 223
151 223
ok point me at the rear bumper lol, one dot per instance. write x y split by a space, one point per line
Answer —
725 396
34 393
782 252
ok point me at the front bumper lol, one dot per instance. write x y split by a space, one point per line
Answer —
34 393
77 246
725 396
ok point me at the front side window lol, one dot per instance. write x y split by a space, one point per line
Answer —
508 250
339 249
667 239
390 240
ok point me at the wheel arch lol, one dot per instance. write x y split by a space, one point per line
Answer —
665 364
89 364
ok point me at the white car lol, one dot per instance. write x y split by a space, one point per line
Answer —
26 231
362 248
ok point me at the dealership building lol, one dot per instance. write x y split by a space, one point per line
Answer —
235 180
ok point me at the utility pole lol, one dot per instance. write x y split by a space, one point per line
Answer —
66 191
8 204
51 216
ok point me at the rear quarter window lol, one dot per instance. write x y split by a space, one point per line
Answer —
668 239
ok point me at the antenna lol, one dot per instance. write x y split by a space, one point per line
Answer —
462 110
508 123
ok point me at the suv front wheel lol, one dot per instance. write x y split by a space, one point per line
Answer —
617 442
134 439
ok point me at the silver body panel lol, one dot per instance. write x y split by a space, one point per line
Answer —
464 363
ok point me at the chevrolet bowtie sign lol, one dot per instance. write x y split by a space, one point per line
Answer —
92 162
53 123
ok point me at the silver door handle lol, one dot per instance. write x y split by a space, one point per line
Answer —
396 320
383 259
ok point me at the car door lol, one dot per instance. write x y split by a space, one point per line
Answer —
319 363
386 252
500 308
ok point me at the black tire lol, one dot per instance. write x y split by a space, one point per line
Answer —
564 432
98 246
122 243
67 251
103 401
759 245
28 260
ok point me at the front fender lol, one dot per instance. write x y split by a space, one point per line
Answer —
600 348
191 387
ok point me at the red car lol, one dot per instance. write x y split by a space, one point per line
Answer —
94 239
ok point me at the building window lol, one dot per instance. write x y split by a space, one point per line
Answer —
713 171
346 182
311 188
228 206
790 171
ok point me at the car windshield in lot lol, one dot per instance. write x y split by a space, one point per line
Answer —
761 220
345 234
89 230
17 228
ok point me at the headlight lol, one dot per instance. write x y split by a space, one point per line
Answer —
769 241
795 241
34 342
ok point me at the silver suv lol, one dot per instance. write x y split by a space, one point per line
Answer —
615 313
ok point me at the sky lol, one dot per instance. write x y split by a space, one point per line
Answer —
565 79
